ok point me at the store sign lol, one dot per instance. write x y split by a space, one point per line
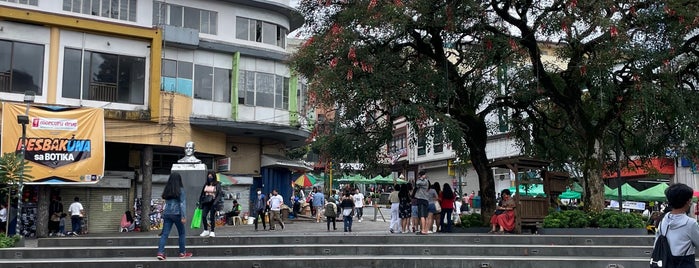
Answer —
65 144
223 164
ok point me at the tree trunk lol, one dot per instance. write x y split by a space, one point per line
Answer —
477 139
146 194
594 183
42 217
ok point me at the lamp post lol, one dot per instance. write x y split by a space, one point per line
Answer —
22 119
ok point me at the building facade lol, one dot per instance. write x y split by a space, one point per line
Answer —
164 73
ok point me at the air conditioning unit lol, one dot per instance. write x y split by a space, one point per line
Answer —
501 174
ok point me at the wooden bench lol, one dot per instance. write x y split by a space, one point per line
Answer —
530 212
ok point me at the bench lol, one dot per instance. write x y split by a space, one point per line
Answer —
530 213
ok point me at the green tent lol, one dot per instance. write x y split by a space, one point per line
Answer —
655 193
576 188
356 179
386 180
570 195
626 192
534 190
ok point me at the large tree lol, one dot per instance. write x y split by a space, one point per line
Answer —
624 73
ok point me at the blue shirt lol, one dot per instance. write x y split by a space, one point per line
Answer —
318 199
176 206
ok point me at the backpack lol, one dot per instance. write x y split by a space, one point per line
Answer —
661 251
330 210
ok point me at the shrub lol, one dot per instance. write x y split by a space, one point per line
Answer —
604 219
9 241
616 219
472 220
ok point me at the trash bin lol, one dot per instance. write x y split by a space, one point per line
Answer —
477 202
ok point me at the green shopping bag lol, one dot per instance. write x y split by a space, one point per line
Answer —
196 219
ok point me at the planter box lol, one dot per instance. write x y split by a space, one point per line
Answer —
592 231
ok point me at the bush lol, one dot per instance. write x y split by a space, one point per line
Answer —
472 220
604 219
9 241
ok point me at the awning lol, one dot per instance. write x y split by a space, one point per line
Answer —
640 169
283 162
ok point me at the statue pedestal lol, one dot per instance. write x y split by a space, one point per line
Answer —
193 180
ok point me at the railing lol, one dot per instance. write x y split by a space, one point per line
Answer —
101 91
5 82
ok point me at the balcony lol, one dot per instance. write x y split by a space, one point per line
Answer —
102 91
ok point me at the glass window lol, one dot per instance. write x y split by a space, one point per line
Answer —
114 9
124 10
169 68
21 67
258 31
213 22
241 87
222 85
86 7
95 10
72 60
191 18
281 36
241 28
132 10
278 92
269 33
175 15
285 94
184 69
203 82
5 65
204 23
105 8
264 94
438 139
421 145
250 87
131 80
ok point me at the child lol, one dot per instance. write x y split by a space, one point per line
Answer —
62 225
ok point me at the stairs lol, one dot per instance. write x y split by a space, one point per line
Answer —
337 249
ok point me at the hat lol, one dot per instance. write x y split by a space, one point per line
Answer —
422 172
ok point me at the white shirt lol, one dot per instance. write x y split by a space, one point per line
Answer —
275 202
3 215
75 208
358 199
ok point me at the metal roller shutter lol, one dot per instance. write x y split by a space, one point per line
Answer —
68 195
107 205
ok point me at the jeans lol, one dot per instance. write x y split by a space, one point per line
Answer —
168 221
448 223
260 217
347 221
360 212
75 223
331 219
208 209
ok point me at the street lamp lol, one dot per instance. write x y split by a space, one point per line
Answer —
22 119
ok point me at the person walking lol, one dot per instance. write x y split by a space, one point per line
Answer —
404 207
174 214
358 198
347 206
260 205
76 211
446 201
682 231
423 200
395 203
318 203
210 195
275 206
331 212
55 210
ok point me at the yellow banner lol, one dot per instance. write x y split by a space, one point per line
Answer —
63 144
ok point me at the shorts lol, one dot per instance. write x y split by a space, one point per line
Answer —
413 211
422 208
431 208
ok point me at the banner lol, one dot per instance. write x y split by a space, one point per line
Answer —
63 144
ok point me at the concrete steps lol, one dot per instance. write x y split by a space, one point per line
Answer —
279 249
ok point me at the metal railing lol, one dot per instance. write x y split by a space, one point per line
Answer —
102 91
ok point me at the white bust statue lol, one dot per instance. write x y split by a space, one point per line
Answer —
189 154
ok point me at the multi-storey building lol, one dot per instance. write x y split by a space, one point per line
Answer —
164 73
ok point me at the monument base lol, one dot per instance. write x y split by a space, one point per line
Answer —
193 180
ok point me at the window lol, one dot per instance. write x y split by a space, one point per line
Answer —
438 139
263 89
260 31
204 21
21 67
222 85
421 145
115 9
203 82
26 2
104 77
302 97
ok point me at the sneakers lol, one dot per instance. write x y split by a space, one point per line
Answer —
185 255
205 233
360 220
212 234
161 256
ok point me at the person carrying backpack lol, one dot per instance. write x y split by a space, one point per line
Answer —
679 230
331 212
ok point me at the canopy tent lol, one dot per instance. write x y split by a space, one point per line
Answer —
533 190
356 179
655 193
386 180
570 195
576 188
626 192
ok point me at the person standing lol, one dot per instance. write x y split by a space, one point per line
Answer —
260 205
358 198
55 210
3 218
423 200
76 211
318 203
275 206
347 206
682 231
447 199
395 203
210 196
404 207
331 212
174 214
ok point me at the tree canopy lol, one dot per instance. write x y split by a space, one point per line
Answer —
624 67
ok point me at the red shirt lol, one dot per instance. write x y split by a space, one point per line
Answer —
446 203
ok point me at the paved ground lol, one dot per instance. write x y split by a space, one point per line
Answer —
299 227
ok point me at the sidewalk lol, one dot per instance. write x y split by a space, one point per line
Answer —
293 227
